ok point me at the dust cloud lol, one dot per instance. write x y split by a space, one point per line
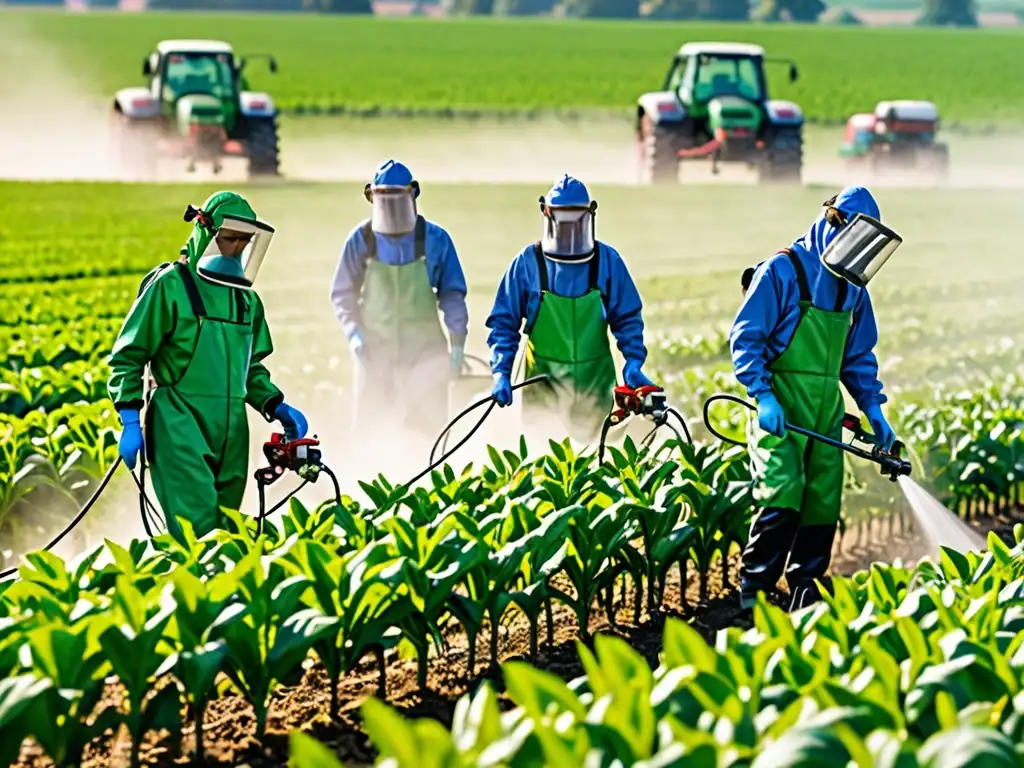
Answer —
50 130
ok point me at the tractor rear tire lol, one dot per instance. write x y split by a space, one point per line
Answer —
785 156
658 157
263 147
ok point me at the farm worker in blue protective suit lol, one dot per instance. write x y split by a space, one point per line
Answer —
396 270
569 290
800 332
200 328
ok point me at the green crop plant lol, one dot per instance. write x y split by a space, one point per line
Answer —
181 622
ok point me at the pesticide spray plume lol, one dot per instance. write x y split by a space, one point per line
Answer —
937 525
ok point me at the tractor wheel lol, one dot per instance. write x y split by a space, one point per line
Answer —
658 159
263 147
135 144
784 157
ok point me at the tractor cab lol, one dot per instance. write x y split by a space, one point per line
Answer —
725 84
195 82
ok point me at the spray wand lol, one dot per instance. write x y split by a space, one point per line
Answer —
892 463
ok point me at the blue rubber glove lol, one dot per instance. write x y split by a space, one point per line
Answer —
358 347
502 390
884 436
131 443
770 416
292 420
458 355
633 376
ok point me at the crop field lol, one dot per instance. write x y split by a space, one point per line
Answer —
331 64
418 595
525 604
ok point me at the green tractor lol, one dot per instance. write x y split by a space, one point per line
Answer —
196 107
714 106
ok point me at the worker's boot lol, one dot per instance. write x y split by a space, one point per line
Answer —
809 560
764 558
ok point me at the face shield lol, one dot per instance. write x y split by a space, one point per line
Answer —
569 231
236 252
859 249
394 208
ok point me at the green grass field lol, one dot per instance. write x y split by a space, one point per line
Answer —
511 64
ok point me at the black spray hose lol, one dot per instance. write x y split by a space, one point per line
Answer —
686 430
442 439
147 510
707 415
78 518
490 402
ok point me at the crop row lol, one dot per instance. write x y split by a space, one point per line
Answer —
912 655
968 443
489 63
347 580
898 669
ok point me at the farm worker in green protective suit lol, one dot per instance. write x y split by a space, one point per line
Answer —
569 290
201 329
801 331
396 272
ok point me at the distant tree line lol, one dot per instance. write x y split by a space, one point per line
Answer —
961 13
936 12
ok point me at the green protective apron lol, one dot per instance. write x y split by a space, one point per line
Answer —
409 365
197 429
794 471
568 341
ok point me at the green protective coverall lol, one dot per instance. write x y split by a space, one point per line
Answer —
569 343
205 344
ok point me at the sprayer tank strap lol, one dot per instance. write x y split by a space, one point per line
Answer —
801 279
542 267
198 308
419 239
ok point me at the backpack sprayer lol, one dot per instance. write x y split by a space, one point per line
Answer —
648 401
891 461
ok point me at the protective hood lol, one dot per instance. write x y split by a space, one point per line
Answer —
227 213
569 226
393 193
850 202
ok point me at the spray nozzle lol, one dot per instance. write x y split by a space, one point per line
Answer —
892 462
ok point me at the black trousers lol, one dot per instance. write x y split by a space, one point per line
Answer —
775 537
